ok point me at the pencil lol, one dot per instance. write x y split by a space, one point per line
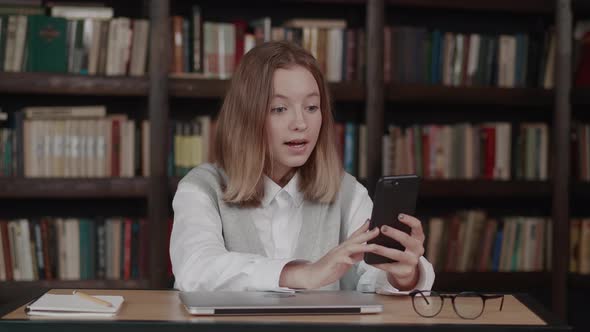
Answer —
93 299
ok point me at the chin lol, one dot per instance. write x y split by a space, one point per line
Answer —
296 162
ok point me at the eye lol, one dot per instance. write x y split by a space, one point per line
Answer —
312 108
279 109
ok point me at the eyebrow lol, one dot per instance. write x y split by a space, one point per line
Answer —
278 95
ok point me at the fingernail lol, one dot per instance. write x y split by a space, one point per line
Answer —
384 228
366 222
400 216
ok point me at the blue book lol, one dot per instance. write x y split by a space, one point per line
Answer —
350 135
497 251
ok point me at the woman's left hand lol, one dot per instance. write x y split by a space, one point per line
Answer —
404 273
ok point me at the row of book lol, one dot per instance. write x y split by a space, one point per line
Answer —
215 48
472 241
76 40
81 141
191 143
420 55
73 249
468 151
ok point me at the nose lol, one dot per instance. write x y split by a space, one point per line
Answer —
299 123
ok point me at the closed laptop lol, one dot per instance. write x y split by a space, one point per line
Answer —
270 303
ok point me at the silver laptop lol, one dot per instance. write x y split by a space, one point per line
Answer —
269 303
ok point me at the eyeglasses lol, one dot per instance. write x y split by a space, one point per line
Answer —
467 305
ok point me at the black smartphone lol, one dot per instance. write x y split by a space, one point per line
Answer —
393 195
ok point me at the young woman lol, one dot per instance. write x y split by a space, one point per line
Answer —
276 209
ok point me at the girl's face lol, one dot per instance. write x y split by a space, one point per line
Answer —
294 119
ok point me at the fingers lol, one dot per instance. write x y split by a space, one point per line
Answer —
411 243
353 253
364 227
364 237
415 225
403 257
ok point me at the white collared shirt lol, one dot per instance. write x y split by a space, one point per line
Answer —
201 262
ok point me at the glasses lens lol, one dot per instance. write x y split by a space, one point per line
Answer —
427 303
468 305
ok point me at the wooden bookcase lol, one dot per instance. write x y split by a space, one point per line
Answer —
158 92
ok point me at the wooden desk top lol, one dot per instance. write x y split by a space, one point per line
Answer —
164 306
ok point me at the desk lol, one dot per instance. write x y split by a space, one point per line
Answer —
161 310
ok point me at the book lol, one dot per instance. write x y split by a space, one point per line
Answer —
73 306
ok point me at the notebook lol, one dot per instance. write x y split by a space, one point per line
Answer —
265 303
73 306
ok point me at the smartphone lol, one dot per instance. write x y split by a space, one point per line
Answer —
393 195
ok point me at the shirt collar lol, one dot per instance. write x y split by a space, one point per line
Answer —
271 190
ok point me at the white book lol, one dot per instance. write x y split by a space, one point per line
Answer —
73 306
112 56
94 50
10 43
13 236
82 12
139 47
473 58
145 148
61 248
334 55
19 51
26 255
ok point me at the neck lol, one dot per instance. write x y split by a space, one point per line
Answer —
282 177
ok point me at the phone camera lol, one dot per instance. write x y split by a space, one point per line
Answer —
396 183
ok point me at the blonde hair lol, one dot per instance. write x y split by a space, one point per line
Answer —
241 146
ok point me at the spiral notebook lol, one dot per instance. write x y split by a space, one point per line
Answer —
73 306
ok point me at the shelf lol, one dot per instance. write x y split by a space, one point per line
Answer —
581 190
484 188
521 6
13 290
491 281
214 88
69 84
581 96
73 188
430 94
579 281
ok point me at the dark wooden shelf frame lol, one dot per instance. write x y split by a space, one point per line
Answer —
522 6
215 88
71 84
431 94
485 189
73 188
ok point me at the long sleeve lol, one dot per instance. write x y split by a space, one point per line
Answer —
200 260
371 279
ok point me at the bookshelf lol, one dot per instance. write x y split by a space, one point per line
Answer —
159 91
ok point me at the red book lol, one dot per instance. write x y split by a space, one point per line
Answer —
453 244
143 249
240 27
583 71
6 250
116 148
489 151
177 47
127 250
486 249
425 152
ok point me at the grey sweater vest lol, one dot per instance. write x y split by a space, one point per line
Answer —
321 229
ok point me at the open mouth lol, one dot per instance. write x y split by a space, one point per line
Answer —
296 143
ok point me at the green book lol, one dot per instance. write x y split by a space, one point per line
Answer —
46 44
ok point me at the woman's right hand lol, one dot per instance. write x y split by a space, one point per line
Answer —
332 266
